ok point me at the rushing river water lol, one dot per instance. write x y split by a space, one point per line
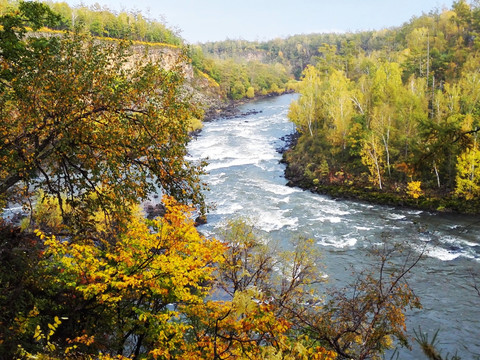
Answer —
246 179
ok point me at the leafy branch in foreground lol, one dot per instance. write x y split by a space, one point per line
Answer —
366 317
257 284
91 124
124 298
162 290
274 302
430 347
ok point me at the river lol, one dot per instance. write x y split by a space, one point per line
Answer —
246 179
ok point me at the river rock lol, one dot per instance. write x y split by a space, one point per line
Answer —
154 211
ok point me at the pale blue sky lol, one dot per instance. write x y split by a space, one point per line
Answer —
213 20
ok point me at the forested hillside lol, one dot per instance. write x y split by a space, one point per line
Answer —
399 115
244 76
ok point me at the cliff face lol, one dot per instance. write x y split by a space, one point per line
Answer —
202 90
199 88
168 56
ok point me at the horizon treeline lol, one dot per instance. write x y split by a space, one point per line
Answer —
394 111
235 79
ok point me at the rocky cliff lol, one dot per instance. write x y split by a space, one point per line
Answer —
203 90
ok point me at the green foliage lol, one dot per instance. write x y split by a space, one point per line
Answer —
396 113
237 91
239 79
101 21
240 76
67 115
87 130
13 25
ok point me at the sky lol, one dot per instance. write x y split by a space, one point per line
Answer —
262 20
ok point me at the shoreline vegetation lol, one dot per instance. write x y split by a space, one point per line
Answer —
389 116
295 173
397 123
447 204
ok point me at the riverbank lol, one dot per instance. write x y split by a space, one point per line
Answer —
295 173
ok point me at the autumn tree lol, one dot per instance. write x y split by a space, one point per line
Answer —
125 298
372 158
275 303
402 112
306 112
257 288
335 99
366 318
468 174
89 122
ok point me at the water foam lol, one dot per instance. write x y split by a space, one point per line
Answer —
363 228
217 179
228 164
228 209
275 188
336 242
436 252
394 216
336 211
274 220
331 219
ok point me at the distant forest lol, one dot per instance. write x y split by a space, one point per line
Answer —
394 113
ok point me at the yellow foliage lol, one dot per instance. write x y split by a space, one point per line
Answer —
164 261
468 174
250 92
414 189
46 213
195 124
46 31
372 153
211 81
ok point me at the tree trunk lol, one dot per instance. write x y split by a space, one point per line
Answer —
436 174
